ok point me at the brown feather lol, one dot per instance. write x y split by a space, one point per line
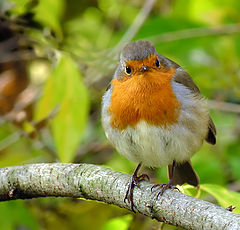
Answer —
183 173
211 136
183 78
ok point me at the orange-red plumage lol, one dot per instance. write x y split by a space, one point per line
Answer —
144 96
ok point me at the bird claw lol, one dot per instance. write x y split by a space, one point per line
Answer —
142 177
134 181
164 187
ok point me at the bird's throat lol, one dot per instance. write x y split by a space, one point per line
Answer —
147 97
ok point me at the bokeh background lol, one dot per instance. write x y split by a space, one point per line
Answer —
56 60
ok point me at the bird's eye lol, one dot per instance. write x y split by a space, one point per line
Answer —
128 70
157 63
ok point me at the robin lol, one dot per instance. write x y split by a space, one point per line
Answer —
155 115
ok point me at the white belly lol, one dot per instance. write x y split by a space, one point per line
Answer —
157 146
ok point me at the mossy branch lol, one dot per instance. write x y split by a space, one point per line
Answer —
98 183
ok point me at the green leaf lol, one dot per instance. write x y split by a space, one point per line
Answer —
212 171
224 196
15 215
233 158
190 190
65 89
118 223
49 13
19 6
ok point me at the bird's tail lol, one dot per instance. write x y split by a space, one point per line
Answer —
183 173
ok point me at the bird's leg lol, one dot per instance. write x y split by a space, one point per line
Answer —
169 185
134 181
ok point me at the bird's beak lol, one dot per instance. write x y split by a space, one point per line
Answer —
144 68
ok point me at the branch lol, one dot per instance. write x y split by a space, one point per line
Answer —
136 25
224 106
196 33
102 184
108 62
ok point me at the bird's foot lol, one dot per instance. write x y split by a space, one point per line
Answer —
134 181
164 187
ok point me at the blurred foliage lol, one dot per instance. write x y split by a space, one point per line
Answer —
57 58
71 95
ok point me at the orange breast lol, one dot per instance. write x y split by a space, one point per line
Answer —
147 97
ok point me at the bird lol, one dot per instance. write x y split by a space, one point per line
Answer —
155 115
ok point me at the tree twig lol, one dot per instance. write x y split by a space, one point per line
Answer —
224 106
102 184
110 56
136 25
195 33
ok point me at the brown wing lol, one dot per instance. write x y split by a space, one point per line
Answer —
183 78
